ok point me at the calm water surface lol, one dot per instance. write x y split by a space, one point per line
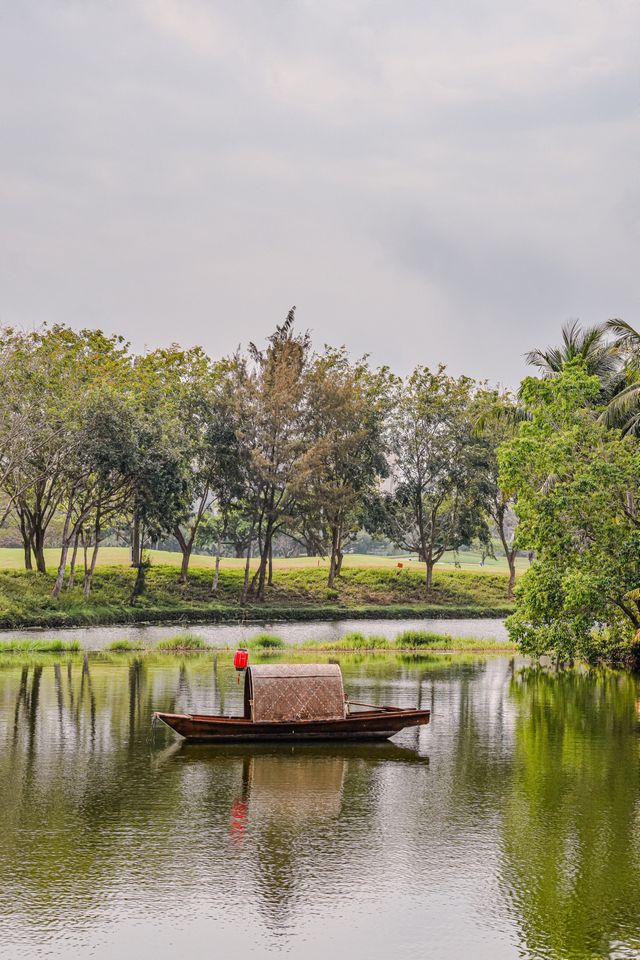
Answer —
223 634
510 827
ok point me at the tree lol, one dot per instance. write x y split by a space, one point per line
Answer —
590 345
578 487
439 472
623 408
99 478
16 429
270 396
345 458
496 417
54 372
194 396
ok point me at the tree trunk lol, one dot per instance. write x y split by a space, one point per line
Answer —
186 546
184 566
216 575
57 587
333 561
89 571
26 540
38 549
140 582
245 586
88 576
264 559
511 560
430 562
270 580
136 557
339 559
74 556
64 552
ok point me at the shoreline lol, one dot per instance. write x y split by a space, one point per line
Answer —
252 615
320 650
296 596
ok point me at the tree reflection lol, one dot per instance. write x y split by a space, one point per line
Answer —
570 851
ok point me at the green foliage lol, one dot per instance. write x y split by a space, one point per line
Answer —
423 638
40 646
441 465
355 641
123 646
182 641
297 594
577 485
266 641
568 849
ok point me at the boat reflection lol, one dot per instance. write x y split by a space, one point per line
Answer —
286 786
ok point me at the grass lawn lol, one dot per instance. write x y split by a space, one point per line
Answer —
299 592
12 558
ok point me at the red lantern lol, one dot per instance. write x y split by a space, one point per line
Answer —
241 659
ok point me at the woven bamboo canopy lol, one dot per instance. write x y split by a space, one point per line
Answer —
306 691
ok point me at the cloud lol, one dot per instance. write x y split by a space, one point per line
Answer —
181 169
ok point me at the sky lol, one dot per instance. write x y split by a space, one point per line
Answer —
427 182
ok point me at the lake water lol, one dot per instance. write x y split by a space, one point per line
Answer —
507 828
223 634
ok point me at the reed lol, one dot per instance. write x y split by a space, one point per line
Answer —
265 641
40 646
182 642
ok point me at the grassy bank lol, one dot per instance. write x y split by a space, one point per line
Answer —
297 594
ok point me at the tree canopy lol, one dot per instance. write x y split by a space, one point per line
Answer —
578 489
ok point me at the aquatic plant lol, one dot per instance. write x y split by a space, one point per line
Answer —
423 638
182 641
40 646
266 641
123 646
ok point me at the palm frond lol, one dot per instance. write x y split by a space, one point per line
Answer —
623 408
591 344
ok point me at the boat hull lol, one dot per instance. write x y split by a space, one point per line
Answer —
363 725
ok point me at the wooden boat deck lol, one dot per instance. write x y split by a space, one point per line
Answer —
373 724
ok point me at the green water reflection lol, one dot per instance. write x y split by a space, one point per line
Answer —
507 828
570 832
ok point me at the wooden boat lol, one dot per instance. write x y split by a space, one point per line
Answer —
295 702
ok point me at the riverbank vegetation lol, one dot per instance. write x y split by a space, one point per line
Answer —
284 450
20 645
574 467
273 451
298 594
268 643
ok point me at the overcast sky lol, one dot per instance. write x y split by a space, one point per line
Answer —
426 181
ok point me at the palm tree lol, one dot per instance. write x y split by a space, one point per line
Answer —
591 343
623 409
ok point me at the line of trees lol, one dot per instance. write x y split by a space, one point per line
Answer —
284 439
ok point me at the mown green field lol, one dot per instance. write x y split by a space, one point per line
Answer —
298 593
12 558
